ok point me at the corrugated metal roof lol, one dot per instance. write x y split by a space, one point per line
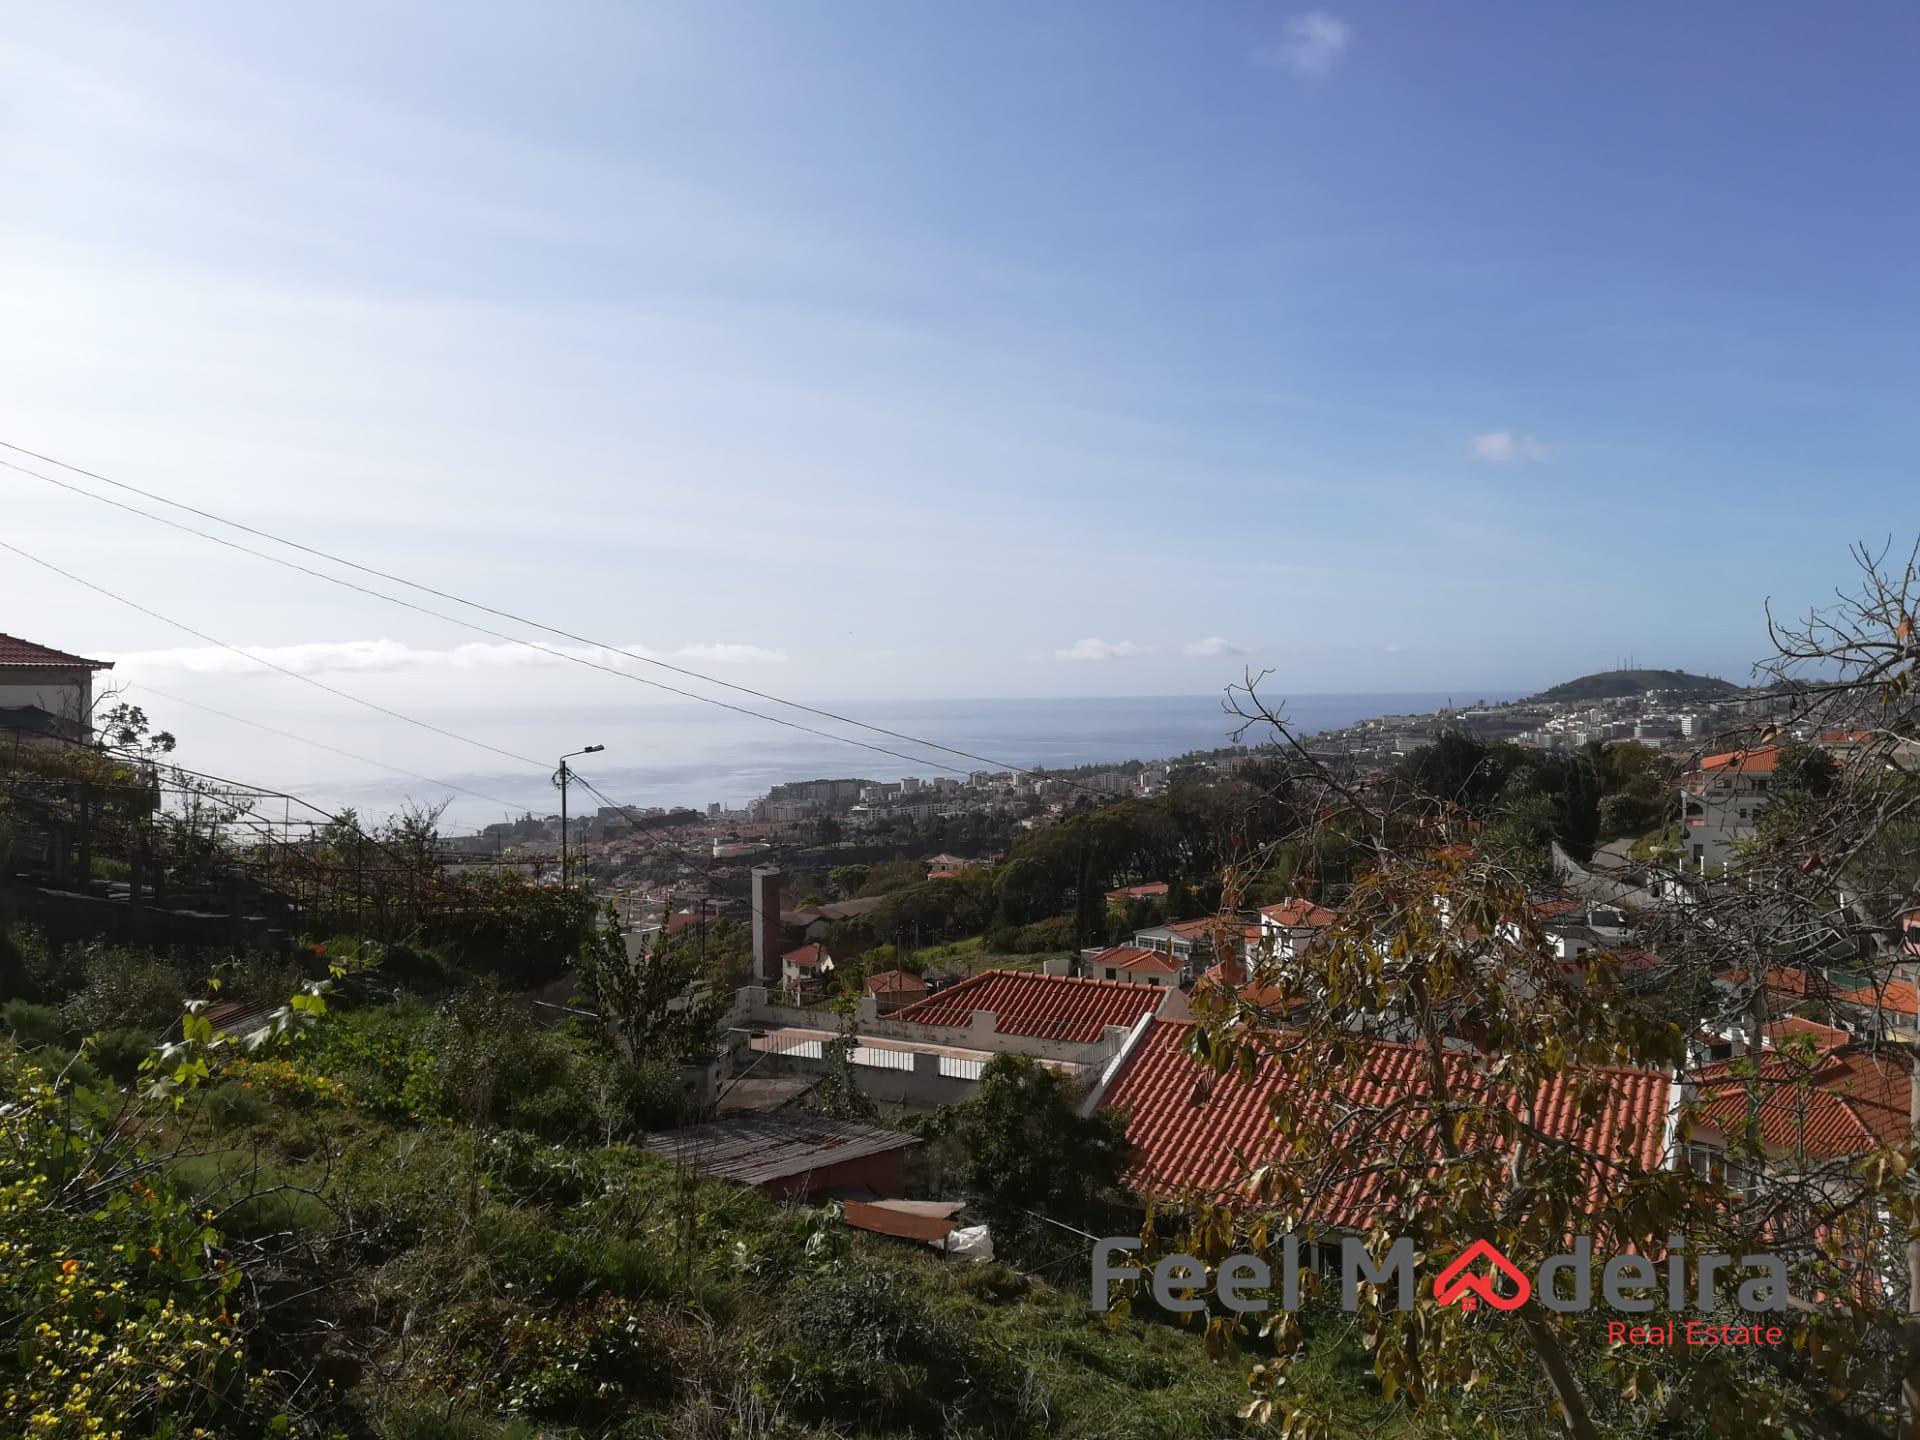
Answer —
756 1149
1194 1130
1042 1007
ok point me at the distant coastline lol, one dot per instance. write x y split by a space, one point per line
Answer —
694 755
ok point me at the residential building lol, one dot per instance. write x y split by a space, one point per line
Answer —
1721 801
1185 940
1293 924
1130 962
1040 1007
1191 1130
894 990
805 968
45 692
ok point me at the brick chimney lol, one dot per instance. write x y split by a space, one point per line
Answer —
766 923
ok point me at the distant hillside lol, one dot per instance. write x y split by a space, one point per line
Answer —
1610 683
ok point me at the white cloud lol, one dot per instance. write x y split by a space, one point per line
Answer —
730 654
1314 41
1101 650
1505 447
392 656
1214 645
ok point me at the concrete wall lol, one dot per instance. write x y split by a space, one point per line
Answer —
752 1008
920 1086
765 908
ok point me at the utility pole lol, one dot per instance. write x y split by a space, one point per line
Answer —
560 778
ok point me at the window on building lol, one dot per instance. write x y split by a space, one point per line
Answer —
1711 1162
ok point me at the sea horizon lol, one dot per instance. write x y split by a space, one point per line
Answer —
692 755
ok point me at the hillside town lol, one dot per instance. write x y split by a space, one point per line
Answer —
959 722
1160 956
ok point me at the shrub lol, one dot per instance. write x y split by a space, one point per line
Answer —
31 1024
437 1422
125 988
871 1345
234 1105
118 1053
1054 933
527 1255
251 1200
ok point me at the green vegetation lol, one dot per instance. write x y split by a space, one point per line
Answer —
1610 684
1526 799
415 1222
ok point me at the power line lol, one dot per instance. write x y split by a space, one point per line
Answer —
500 634
318 744
201 635
506 615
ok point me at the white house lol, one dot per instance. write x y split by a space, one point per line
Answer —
1721 801
46 692
805 967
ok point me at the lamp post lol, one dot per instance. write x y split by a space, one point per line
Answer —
560 778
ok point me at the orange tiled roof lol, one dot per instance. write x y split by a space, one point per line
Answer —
1132 957
1897 997
1043 1007
1297 913
1763 761
896 982
1189 1128
1845 1102
1153 889
1792 1029
1799 984
1231 975
807 957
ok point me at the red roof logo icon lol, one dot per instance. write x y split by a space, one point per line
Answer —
1454 1284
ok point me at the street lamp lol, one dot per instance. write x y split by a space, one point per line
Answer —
560 778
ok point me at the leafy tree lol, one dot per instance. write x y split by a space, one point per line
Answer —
654 1004
1439 948
1022 1151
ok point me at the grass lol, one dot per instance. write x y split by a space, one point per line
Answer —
600 1290
970 956
460 1282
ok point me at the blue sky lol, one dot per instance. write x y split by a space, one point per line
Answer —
880 350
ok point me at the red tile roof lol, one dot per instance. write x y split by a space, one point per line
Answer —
1132 957
896 982
1153 889
1297 914
1195 1131
1790 1030
1043 1007
14 651
1896 997
1231 976
1845 1102
807 957
1795 984
1745 762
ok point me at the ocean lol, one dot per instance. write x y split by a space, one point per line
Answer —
693 754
